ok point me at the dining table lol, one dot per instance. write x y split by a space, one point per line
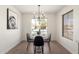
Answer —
45 36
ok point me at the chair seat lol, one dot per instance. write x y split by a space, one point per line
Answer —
38 44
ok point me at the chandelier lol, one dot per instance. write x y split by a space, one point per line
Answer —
40 14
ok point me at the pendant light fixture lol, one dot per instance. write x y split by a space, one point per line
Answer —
40 16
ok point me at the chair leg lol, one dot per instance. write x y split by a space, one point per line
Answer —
42 50
35 50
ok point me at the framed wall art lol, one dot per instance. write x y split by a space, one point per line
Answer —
11 19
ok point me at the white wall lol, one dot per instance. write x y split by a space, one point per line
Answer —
70 45
52 25
8 38
27 24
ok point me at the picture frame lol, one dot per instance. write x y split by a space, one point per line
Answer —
11 19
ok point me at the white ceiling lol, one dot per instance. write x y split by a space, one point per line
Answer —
34 8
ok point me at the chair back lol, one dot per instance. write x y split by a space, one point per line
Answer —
38 41
28 37
49 38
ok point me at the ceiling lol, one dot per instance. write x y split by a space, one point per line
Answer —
34 8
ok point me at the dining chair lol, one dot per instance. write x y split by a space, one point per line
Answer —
38 42
28 38
49 38
49 41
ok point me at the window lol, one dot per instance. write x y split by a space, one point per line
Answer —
67 25
39 24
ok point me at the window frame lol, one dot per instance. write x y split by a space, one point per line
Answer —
42 30
64 24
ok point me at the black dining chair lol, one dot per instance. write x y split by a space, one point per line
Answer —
38 42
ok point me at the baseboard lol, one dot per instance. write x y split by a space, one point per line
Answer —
63 46
15 44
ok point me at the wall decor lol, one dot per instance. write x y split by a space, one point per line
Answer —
67 25
11 19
